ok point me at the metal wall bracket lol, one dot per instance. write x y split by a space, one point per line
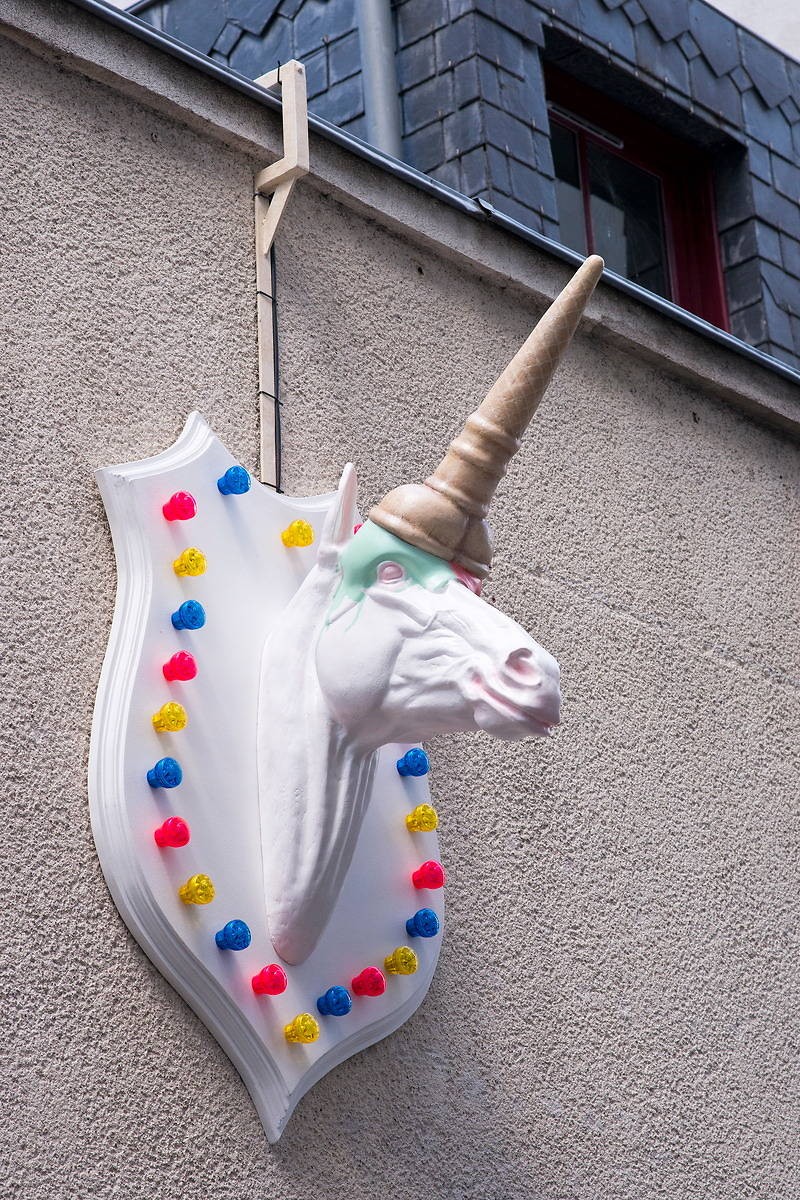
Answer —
273 187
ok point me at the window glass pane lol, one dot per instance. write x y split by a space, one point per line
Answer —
568 187
627 220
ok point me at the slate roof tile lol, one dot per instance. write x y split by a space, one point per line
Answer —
767 125
741 78
252 15
758 158
789 109
689 46
634 12
715 34
787 177
790 255
719 95
520 17
774 208
254 56
670 17
663 60
606 27
228 38
193 24
750 324
766 67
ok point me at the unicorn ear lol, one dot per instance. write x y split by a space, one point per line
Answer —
338 528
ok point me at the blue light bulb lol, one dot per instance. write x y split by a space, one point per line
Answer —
235 482
413 762
166 773
190 615
335 1003
424 923
234 936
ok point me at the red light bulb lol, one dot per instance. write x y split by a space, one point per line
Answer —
369 982
174 832
180 666
180 507
429 875
270 981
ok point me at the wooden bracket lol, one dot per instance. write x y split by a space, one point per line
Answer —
276 181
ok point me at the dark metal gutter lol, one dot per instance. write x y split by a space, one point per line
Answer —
474 208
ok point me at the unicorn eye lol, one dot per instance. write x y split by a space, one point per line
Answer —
390 572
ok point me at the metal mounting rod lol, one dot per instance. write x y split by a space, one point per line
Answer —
273 187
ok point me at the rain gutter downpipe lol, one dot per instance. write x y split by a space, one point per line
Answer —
381 99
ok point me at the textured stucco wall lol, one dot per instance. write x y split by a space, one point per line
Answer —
616 1008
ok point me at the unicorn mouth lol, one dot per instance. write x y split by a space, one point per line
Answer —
533 720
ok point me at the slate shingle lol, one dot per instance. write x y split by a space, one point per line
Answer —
741 78
193 24
316 24
253 56
466 82
455 42
228 39
605 27
790 255
662 60
787 178
689 46
252 15
717 94
749 324
775 209
744 285
670 17
767 125
790 110
425 148
316 66
517 211
634 12
509 134
475 171
464 130
342 102
500 45
427 102
418 18
766 67
416 63
716 37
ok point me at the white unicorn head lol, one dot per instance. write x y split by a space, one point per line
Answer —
397 645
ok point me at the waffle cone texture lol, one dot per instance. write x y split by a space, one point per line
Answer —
446 515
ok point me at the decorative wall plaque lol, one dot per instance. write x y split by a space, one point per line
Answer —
259 795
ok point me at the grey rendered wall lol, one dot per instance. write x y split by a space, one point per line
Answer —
616 1008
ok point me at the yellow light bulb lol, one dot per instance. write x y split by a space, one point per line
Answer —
402 961
299 533
191 562
170 718
197 890
302 1029
424 819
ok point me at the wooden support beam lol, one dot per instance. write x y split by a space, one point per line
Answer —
277 182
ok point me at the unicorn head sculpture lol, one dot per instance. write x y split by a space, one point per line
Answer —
309 669
399 644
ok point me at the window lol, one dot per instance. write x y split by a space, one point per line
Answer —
636 194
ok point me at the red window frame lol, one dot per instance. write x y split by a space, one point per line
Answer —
687 191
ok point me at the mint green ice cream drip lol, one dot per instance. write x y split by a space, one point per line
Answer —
369 548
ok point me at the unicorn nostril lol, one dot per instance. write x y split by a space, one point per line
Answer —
519 665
